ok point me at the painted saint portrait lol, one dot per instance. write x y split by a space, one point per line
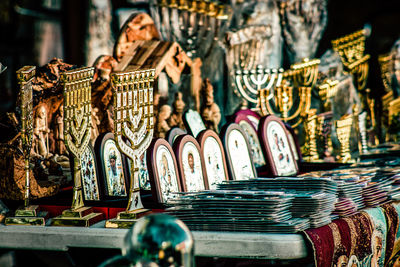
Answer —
240 157
168 178
89 175
214 162
192 169
280 149
256 152
114 171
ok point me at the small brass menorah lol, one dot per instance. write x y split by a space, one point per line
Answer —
303 76
134 127
28 214
343 131
327 90
310 127
77 130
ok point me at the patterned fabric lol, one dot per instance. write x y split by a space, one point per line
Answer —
365 239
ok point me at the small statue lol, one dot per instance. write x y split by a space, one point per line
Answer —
59 131
177 114
162 126
210 111
40 143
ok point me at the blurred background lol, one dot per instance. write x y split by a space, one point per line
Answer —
78 31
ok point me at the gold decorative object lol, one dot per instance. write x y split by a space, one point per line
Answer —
327 90
360 119
77 131
28 214
310 152
324 130
303 76
134 127
386 67
351 50
343 131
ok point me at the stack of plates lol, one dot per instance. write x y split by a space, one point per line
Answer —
252 211
374 195
298 184
353 191
345 207
317 206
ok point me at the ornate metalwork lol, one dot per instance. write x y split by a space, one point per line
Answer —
77 121
327 90
303 77
25 77
133 121
310 126
343 132
195 25
351 51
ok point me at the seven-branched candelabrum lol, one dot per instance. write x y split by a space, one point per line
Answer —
133 121
77 121
25 77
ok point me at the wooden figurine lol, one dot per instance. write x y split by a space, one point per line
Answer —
59 132
176 116
41 133
162 125
210 111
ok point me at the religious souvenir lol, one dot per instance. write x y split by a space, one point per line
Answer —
28 214
277 149
193 122
173 133
190 164
213 155
77 132
112 167
210 111
134 129
90 175
163 171
238 152
249 124
176 118
162 126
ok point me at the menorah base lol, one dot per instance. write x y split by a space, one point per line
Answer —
83 217
28 216
126 219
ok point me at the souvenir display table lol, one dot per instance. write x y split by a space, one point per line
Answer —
207 244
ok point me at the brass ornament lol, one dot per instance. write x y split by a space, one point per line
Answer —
77 132
133 131
310 126
343 132
28 214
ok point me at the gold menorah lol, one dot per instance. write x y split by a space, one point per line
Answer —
351 50
303 77
77 127
386 68
310 126
28 214
134 127
343 132
25 77
327 90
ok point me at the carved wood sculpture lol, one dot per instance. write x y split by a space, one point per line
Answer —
45 152
210 111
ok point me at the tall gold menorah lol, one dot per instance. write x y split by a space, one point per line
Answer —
302 76
28 214
133 131
327 90
351 50
77 130
25 77
343 132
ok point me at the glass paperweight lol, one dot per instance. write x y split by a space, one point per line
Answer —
159 240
